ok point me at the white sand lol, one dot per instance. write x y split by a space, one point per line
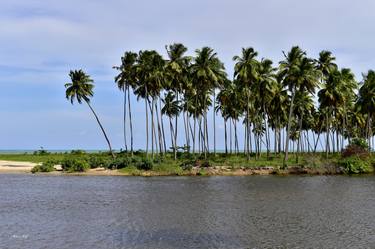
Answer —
15 167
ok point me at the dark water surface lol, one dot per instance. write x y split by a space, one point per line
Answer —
178 212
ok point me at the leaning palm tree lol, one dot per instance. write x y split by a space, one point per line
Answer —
81 90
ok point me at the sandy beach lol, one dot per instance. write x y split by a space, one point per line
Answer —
16 167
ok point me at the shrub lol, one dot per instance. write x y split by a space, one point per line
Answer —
145 164
74 165
355 165
47 166
357 147
78 152
188 165
97 162
206 164
119 163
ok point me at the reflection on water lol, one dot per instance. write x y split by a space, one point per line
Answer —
183 212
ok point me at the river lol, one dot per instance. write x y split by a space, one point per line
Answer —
186 212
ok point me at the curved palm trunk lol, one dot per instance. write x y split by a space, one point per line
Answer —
101 127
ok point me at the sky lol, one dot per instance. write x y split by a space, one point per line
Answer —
41 40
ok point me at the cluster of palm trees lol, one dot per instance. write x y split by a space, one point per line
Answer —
300 103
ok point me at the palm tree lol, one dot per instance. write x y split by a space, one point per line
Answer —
366 101
298 73
264 91
81 89
126 79
177 75
207 73
245 71
171 109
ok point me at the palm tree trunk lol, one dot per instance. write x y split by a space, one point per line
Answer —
172 132
101 127
146 123
214 118
247 122
125 140
131 123
327 135
230 136
152 128
176 126
162 127
194 133
225 136
288 127
299 138
160 134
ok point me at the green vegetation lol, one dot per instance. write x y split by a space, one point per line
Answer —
74 165
354 159
47 166
356 165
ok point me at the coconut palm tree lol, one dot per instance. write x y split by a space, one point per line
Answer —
207 73
150 78
177 76
298 73
245 71
366 101
126 79
171 109
80 89
264 91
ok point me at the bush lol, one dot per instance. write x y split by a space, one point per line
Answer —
74 165
97 162
206 164
119 163
355 165
357 147
188 165
360 142
44 167
78 152
145 164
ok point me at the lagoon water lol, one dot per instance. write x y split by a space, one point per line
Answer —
187 212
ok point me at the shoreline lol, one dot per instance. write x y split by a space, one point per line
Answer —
14 167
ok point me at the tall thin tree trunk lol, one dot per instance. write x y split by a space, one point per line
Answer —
288 127
146 98
125 140
225 136
162 127
131 123
101 127
214 118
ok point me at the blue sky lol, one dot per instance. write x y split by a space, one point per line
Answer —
41 40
